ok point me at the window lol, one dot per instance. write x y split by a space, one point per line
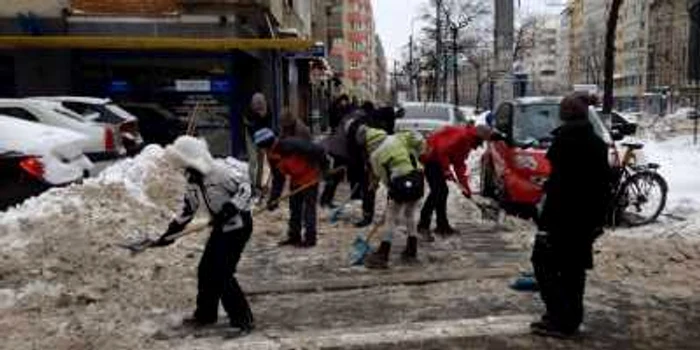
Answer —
504 119
19 113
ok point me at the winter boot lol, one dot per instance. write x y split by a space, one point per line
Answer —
425 234
410 254
366 221
445 230
293 240
380 258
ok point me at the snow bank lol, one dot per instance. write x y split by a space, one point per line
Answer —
133 195
680 166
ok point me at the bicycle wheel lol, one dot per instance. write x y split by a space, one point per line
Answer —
642 198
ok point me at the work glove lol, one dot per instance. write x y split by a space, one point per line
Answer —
227 212
450 176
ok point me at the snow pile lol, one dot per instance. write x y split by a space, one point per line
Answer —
136 194
680 166
59 256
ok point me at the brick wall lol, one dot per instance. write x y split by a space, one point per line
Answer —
126 7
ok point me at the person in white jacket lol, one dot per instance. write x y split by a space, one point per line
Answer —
225 189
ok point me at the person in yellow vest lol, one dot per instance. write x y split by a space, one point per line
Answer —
394 162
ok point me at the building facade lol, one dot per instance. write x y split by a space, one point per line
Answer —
667 62
631 55
353 49
540 60
184 55
564 47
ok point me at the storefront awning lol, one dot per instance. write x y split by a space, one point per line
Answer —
150 43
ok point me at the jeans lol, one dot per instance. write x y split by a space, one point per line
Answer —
302 206
562 284
437 198
216 276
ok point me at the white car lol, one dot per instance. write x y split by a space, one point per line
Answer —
59 150
102 142
426 117
104 110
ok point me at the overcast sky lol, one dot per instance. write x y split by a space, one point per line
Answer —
393 19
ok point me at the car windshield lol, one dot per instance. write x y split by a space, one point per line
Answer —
427 111
535 122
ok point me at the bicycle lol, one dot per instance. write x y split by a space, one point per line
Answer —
634 190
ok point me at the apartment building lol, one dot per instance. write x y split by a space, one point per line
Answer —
540 60
353 50
564 47
631 56
667 62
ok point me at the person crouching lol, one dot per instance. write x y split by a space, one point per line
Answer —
226 190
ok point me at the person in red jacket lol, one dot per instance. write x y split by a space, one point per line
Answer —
447 150
304 163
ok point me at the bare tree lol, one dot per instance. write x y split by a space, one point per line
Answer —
610 56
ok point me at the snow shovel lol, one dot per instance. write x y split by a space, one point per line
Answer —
298 190
148 243
361 246
335 214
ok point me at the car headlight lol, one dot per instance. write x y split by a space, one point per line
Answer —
524 161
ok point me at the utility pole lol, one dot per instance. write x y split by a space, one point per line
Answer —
455 64
438 49
411 71
503 16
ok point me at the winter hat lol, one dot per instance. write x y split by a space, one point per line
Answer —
264 137
575 106
191 152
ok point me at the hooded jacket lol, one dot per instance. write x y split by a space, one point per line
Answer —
226 192
392 156
450 146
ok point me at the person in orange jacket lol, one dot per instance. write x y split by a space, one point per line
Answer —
445 156
304 163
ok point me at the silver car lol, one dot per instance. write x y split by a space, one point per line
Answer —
426 117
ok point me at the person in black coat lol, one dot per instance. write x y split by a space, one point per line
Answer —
571 218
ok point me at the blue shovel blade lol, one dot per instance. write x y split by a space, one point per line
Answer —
360 249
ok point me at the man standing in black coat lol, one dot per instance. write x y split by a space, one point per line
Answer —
572 216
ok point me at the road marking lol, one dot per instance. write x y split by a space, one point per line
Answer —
380 335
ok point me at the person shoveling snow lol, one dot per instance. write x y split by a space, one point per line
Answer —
227 194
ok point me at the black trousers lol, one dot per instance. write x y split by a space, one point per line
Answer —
562 284
216 276
437 198
302 206
333 181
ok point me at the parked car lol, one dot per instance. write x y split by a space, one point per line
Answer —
103 141
157 124
514 167
426 117
622 122
35 157
684 113
103 110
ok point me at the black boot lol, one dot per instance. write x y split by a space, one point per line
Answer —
366 221
292 240
445 230
380 258
410 254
